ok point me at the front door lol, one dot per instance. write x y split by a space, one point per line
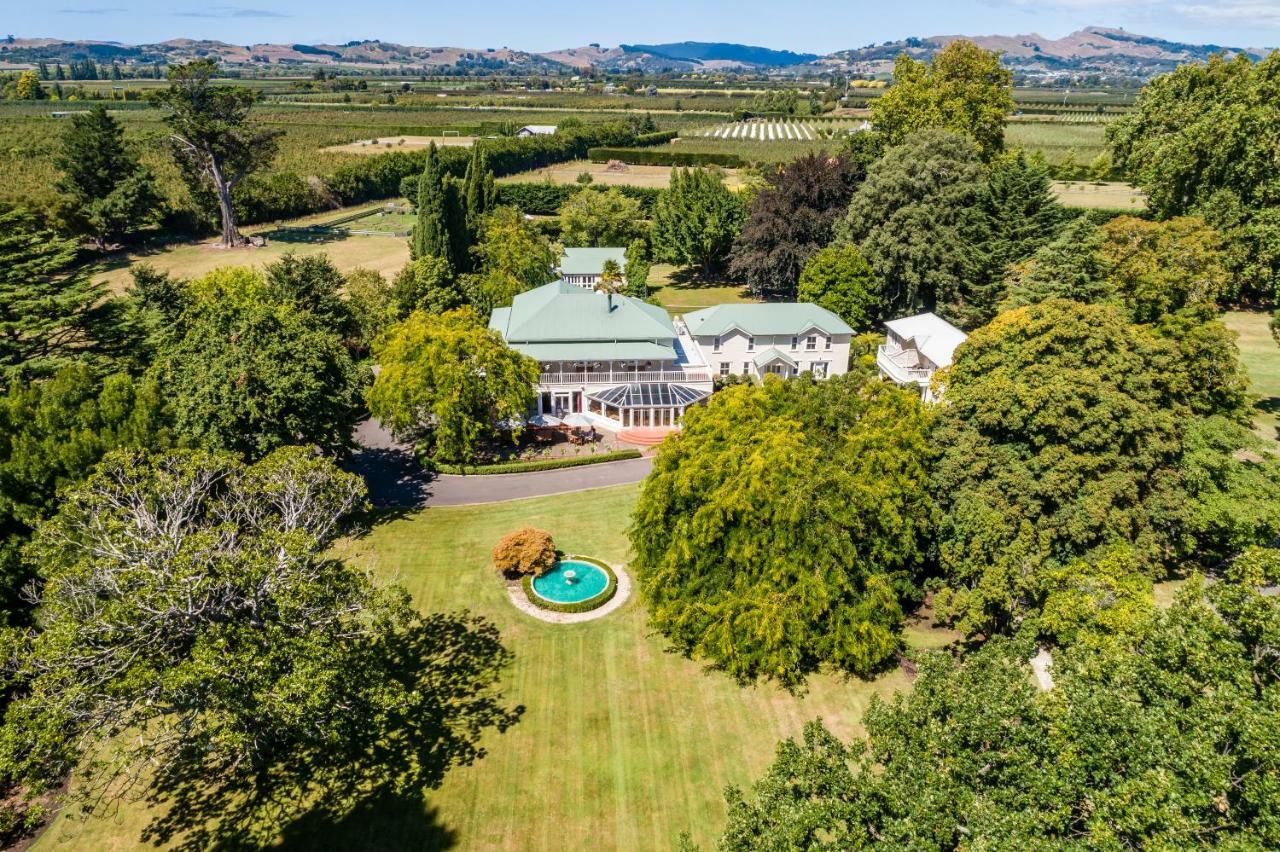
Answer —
563 403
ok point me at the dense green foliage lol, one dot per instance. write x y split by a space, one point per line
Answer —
251 365
915 219
451 375
964 89
784 526
788 221
212 138
189 597
666 156
695 220
512 256
839 279
599 217
51 310
1069 430
107 194
1164 741
546 198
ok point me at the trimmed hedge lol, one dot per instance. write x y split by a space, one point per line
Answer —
658 137
610 589
545 199
530 466
379 176
664 157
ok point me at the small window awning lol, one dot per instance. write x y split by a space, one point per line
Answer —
650 395
768 356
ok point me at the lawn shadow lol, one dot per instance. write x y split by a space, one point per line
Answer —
388 822
691 278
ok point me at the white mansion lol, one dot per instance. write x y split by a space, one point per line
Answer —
625 364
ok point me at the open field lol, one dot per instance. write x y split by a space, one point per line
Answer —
622 745
656 177
1107 196
1261 357
1055 139
384 144
777 130
676 290
386 254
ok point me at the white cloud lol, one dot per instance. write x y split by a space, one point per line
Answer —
1244 12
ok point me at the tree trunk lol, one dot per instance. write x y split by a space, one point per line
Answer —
230 234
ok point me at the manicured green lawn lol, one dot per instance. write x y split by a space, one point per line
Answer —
1261 357
623 745
678 292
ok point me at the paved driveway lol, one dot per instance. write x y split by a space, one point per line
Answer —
395 480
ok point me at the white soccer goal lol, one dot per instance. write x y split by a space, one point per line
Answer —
450 132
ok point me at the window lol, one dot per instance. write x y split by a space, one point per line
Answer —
811 343
724 368
746 368
828 346
715 346
751 344
795 343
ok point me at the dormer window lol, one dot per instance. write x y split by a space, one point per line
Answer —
811 343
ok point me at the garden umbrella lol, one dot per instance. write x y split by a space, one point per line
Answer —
544 420
577 419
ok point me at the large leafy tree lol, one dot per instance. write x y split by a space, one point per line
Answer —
451 375
52 432
109 195
964 89
51 309
1066 432
251 369
916 220
599 217
1019 215
1166 741
695 220
782 529
190 601
788 221
512 256
212 136
839 279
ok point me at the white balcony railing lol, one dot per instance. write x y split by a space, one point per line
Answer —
618 377
899 373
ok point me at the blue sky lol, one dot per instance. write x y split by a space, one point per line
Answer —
804 25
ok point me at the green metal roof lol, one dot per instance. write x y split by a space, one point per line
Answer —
594 351
590 261
561 312
765 319
768 356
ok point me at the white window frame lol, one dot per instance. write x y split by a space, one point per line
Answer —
724 368
795 343
751 344
828 346
746 368
811 343
715 344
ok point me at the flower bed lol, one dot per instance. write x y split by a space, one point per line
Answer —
610 589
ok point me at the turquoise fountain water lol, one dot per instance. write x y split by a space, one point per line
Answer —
571 581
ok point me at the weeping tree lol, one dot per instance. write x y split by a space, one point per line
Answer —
212 137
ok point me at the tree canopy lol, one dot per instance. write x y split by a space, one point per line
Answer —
964 89
212 137
188 599
1160 742
451 375
108 194
788 221
916 221
599 217
1069 430
839 279
695 220
512 256
784 527
252 366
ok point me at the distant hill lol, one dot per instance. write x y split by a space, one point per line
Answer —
1099 50
1093 50
742 54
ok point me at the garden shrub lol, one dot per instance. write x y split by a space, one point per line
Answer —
525 552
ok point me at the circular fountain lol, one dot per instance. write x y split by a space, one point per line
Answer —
571 581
